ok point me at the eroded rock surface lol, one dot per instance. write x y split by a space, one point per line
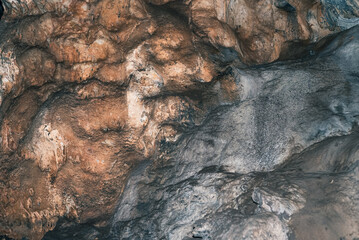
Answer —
280 164
143 119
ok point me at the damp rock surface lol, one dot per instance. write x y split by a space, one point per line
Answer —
168 119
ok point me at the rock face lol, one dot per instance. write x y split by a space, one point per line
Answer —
152 119
279 164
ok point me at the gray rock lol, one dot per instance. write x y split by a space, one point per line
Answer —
340 13
261 227
282 4
282 202
282 163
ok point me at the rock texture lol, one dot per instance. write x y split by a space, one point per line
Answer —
280 164
152 119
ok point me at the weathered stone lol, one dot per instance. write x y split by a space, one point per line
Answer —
139 119
246 152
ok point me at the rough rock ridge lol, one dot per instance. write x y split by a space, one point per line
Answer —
169 119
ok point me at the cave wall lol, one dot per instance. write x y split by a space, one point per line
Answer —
96 94
280 164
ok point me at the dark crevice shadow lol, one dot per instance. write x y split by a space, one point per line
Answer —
1 10
284 5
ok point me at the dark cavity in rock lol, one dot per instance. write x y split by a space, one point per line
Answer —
282 4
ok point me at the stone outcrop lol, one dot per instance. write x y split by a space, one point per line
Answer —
279 164
152 119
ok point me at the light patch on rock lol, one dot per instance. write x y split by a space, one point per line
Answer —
136 109
49 150
8 72
134 61
284 206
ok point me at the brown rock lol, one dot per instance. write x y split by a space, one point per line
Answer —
91 88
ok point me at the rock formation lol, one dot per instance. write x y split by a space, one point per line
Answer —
179 119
